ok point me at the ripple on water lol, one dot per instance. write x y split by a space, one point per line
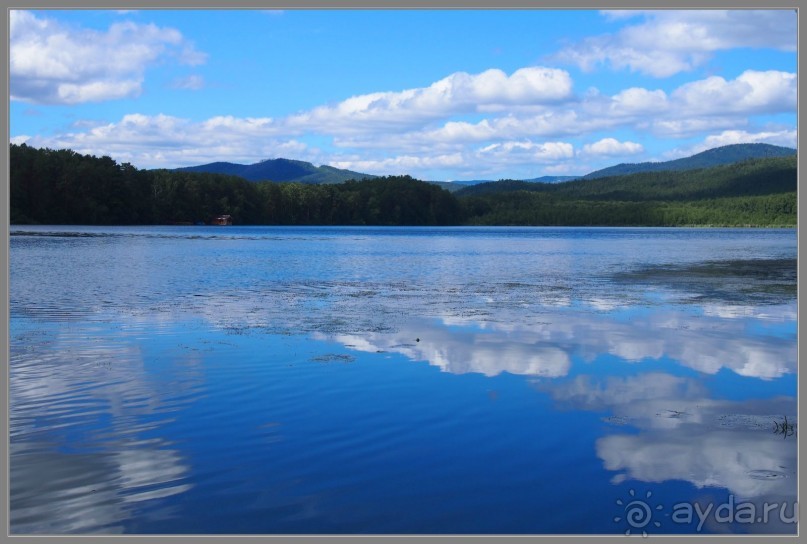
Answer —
171 380
762 474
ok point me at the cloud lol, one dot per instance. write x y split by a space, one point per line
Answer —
752 92
668 42
487 159
611 147
21 139
52 63
785 138
557 122
527 151
686 111
529 116
552 124
688 127
694 107
637 101
627 106
192 82
155 141
403 164
717 104
457 93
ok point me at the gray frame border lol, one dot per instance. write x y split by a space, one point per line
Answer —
341 4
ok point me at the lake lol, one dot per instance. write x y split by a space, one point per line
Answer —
269 380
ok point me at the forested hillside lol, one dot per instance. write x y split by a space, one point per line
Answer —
755 192
65 187
279 170
717 156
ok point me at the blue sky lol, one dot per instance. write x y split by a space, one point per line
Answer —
439 95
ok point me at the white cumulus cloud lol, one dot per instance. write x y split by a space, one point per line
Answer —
527 151
612 147
165 141
682 127
403 164
52 63
784 138
752 92
668 42
705 105
457 93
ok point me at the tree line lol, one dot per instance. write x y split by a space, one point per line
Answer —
64 187
745 178
756 192
529 208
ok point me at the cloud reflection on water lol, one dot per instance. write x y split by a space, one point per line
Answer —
66 389
686 434
547 345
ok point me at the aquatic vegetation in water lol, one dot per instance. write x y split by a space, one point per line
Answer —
761 281
784 428
334 357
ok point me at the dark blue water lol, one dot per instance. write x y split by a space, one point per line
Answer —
258 380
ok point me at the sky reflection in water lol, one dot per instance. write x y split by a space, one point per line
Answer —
273 380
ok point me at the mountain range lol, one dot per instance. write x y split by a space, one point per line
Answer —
280 170
87 190
287 170
717 156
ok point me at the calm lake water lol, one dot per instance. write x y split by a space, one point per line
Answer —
259 380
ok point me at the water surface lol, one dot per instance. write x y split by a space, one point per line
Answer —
258 380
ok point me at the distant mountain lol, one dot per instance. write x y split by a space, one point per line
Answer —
552 179
280 170
501 186
287 170
460 185
542 179
753 192
468 182
752 177
450 186
713 157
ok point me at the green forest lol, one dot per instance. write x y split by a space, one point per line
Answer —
64 187
756 192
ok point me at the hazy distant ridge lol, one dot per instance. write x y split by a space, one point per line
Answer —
280 170
718 156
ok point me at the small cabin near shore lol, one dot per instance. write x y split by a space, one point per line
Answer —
223 220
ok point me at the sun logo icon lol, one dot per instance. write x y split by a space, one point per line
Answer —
638 513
